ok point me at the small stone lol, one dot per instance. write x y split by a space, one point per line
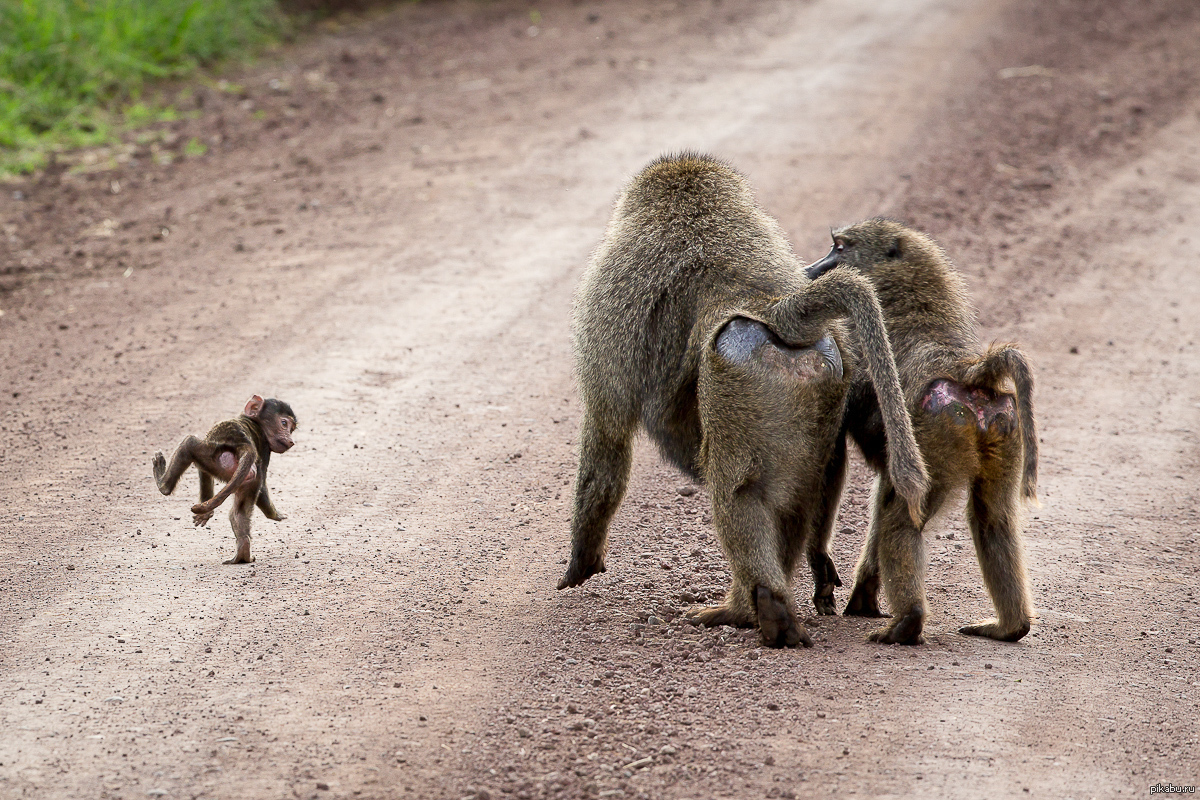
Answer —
572 708
524 733
769 761
691 691
324 787
686 490
667 750
987 666
772 706
820 715
653 620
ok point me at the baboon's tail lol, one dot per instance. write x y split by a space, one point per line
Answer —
1007 361
840 293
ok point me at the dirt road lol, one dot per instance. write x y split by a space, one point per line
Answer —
386 231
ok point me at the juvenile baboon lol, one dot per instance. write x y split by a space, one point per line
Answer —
695 321
973 431
236 451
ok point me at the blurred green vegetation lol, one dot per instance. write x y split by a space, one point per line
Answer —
72 72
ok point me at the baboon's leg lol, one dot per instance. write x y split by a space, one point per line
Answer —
239 518
994 518
900 554
864 597
191 450
761 590
206 493
605 457
900 551
825 576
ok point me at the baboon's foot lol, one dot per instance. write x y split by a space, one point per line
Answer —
580 569
905 630
203 508
992 629
201 520
825 578
724 614
160 469
864 600
241 559
777 622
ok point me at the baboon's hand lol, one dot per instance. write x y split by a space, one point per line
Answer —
201 520
578 572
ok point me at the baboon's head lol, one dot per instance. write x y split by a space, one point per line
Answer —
876 244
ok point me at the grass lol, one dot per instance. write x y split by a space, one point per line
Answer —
72 72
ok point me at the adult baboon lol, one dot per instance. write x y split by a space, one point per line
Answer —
973 431
695 321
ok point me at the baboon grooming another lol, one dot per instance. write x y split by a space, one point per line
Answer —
972 431
695 321
236 451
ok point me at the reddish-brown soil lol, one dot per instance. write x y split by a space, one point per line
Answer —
386 231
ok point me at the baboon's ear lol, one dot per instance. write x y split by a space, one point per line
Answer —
894 250
254 406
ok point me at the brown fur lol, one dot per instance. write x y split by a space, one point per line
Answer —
695 322
972 432
238 452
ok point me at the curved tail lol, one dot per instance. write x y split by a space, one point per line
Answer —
802 317
1007 361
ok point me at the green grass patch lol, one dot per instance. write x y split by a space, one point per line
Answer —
72 72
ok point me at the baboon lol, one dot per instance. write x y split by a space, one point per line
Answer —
973 416
236 451
695 321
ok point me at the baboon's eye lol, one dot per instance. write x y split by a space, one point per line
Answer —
839 245
894 251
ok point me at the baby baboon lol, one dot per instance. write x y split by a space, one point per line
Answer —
972 431
695 321
236 451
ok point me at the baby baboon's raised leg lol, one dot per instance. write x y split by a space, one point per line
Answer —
192 450
605 458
